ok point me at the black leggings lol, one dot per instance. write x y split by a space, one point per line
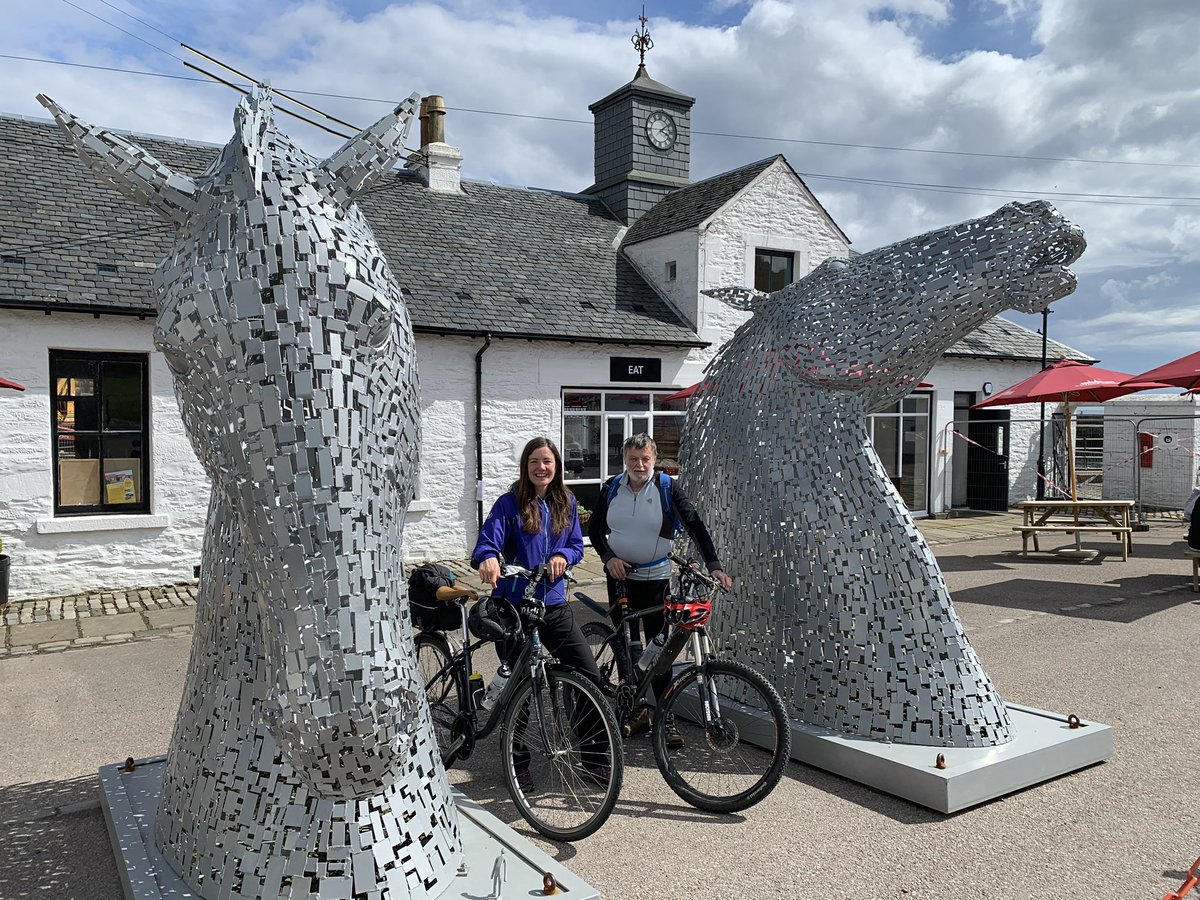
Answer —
565 641
646 595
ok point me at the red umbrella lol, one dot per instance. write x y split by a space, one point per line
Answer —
1183 372
5 383
683 394
1067 382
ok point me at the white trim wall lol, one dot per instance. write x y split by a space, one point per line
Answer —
65 554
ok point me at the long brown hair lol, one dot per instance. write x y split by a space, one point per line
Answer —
558 495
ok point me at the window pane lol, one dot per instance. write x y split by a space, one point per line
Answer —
781 270
627 403
616 441
122 480
122 395
75 395
661 404
581 447
588 496
581 402
78 470
772 270
887 441
666 436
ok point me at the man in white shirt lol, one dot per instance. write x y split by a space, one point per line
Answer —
633 528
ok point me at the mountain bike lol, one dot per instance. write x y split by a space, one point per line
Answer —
560 745
735 735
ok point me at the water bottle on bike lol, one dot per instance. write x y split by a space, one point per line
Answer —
653 649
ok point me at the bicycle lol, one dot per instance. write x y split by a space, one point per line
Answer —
736 738
556 725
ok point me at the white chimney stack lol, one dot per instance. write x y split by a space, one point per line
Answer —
437 163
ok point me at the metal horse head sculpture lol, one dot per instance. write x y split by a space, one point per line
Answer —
854 623
303 759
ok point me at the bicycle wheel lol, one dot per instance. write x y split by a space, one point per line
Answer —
564 781
602 641
739 758
441 685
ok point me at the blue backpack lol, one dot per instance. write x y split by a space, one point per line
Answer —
665 486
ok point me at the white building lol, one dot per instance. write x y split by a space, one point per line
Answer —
536 312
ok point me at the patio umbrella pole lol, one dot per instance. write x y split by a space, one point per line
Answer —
1071 467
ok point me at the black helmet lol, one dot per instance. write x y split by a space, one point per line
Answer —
493 619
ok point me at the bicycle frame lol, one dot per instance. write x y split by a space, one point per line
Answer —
677 639
530 661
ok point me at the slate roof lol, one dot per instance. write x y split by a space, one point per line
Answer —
1002 339
510 261
689 206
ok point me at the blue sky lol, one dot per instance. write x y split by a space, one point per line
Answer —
816 80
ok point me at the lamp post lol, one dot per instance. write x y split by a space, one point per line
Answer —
1041 481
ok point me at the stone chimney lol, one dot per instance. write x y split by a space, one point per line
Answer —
437 163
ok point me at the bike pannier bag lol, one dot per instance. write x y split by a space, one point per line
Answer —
429 614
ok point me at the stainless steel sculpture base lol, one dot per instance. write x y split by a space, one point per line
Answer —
131 802
1043 747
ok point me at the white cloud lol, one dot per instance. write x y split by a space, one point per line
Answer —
1105 80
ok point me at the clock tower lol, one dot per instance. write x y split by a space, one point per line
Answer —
643 141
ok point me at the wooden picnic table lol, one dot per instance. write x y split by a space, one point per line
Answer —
1076 517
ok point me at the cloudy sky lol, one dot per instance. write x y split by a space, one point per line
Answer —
901 116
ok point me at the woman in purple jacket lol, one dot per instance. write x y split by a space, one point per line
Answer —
536 523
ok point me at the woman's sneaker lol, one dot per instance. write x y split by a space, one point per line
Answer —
525 781
674 738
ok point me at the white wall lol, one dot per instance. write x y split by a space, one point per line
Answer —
522 390
774 212
651 258
954 374
522 384
67 554
1174 463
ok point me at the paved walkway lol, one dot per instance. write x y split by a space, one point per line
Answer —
1107 640
53 624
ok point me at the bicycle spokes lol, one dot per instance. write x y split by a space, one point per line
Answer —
561 754
721 737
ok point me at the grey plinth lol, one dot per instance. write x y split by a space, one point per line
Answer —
131 804
1044 746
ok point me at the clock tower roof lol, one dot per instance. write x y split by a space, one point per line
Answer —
645 86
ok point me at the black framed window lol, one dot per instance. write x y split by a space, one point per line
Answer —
100 429
772 269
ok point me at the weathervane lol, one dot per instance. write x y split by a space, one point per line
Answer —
641 41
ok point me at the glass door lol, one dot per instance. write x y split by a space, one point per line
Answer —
900 435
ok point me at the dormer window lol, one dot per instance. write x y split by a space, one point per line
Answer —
772 269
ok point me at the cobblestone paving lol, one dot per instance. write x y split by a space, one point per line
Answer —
51 624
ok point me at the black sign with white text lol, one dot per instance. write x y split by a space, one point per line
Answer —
634 368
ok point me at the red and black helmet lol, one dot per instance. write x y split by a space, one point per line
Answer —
690 613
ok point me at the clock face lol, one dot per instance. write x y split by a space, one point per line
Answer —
661 130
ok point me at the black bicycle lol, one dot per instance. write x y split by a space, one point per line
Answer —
720 734
559 740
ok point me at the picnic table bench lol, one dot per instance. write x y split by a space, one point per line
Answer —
1076 517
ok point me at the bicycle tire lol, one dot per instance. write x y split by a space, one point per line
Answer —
442 687
725 770
565 801
602 641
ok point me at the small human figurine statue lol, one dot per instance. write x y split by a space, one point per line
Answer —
499 873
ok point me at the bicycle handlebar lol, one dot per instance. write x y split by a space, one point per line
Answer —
693 569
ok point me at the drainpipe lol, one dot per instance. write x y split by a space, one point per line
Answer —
487 342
